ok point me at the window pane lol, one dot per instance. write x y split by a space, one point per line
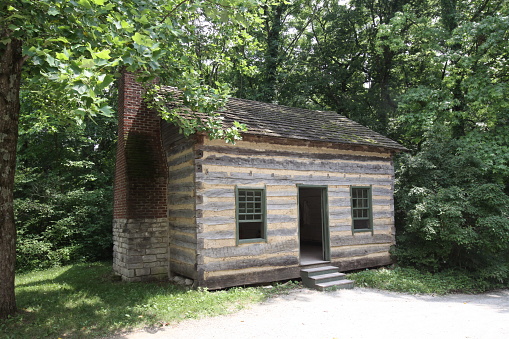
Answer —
361 224
250 230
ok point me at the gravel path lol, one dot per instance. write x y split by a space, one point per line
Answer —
357 313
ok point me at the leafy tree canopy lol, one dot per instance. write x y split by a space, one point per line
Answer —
73 49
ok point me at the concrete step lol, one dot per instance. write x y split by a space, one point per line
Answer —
339 284
324 277
309 272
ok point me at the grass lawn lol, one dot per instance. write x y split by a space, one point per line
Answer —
410 280
84 301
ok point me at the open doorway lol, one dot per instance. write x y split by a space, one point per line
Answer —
313 225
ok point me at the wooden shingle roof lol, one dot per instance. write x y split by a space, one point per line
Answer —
296 123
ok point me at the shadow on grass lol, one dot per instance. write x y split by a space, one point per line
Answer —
85 300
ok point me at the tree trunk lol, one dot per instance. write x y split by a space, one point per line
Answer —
274 25
10 81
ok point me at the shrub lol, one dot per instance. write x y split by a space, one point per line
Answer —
452 211
63 196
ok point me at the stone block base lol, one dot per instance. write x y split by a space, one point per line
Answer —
140 249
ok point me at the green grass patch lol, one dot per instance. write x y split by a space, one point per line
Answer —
413 281
84 301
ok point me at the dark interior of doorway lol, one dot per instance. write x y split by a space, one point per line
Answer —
310 225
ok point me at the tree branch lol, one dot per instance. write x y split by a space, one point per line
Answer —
173 10
23 60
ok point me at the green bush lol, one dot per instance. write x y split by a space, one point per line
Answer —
71 227
452 211
63 196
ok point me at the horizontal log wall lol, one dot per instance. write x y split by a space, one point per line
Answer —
279 168
181 206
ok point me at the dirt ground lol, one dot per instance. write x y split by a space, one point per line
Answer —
357 313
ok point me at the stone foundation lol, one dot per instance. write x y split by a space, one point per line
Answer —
140 249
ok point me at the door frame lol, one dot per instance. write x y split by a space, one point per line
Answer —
324 195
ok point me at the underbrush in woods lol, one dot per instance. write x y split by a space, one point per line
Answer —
63 195
85 301
452 208
411 280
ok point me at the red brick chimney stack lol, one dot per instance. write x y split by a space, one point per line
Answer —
140 226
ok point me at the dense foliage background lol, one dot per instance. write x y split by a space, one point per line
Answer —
63 190
431 74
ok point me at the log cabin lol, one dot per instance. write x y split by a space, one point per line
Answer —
304 194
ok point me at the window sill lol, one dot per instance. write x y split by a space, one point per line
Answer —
362 231
250 241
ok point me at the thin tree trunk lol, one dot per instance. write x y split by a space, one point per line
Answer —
274 23
10 81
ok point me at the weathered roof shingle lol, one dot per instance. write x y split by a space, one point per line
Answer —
279 121
297 123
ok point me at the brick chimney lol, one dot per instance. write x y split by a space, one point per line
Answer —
140 223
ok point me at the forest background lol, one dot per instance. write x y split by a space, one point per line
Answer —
431 74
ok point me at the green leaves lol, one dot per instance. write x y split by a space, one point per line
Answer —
143 40
63 183
191 111
53 11
453 205
104 54
79 46
86 3
87 63
63 56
